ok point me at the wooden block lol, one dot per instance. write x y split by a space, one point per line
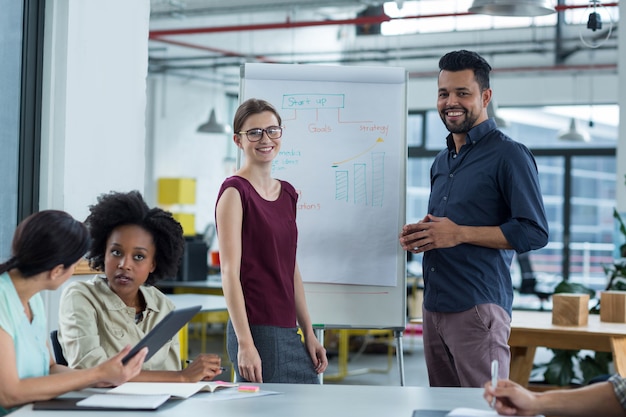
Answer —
613 306
570 309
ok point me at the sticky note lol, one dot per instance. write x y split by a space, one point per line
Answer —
249 388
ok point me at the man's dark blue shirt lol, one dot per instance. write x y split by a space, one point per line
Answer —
493 181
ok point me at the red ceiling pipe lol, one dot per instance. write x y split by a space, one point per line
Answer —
365 20
155 34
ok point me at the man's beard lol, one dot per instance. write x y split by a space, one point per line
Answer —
463 127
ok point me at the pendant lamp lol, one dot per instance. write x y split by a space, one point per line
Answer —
513 7
573 134
212 126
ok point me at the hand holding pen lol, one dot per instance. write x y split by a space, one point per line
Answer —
188 361
205 367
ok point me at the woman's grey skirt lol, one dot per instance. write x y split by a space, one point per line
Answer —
284 358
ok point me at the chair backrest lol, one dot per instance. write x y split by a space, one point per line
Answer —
56 348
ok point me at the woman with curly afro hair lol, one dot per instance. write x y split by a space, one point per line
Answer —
135 246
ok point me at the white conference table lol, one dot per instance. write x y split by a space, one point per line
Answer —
307 401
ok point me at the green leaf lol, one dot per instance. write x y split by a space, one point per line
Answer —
574 288
622 227
604 358
592 368
560 369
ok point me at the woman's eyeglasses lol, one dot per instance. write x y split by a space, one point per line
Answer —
255 135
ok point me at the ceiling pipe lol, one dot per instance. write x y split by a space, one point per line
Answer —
156 34
222 52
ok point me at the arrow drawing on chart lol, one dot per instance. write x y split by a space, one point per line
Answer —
379 140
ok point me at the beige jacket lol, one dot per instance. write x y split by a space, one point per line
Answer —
95 324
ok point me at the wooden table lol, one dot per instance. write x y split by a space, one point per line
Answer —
531 329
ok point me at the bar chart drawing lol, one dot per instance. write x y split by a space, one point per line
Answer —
360 184
356 189
378 178
341 185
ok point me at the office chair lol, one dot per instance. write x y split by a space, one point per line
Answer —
56 348
529 279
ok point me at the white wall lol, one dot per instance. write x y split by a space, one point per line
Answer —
179 106
94 100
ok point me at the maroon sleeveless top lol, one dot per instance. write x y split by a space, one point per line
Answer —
268 242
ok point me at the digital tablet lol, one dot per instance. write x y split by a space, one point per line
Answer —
163 331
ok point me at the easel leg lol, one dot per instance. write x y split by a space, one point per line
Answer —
319 333
400 355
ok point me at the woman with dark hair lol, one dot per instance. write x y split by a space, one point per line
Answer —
256 224
46 248
135 246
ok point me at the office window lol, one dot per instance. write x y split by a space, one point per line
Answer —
592 202
21 46
10 75
415 132
549 260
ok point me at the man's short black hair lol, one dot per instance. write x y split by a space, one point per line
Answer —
463 60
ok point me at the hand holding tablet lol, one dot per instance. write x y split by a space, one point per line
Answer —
163 331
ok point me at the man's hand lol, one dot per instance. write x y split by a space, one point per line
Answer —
430 233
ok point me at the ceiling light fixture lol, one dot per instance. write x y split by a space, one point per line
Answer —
512 7
212 126
596 14
573 134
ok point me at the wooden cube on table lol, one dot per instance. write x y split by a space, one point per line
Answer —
570 309
613 306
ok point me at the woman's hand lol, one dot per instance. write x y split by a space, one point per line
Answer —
249 363
317 353
114 372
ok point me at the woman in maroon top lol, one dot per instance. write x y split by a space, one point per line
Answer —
256 222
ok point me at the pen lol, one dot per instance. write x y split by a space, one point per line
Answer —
494 378
221 367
